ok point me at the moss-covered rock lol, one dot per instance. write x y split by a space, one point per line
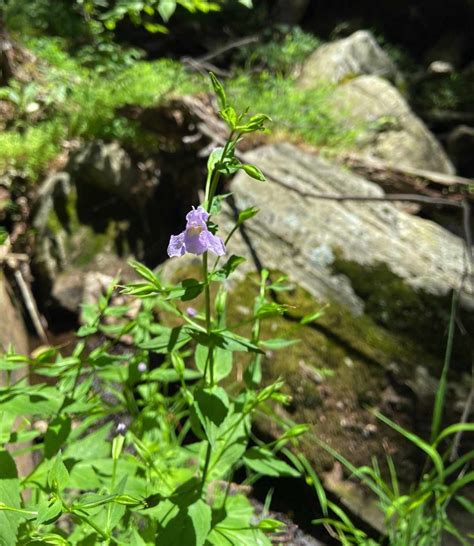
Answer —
371 258
64 243
415 314
341 368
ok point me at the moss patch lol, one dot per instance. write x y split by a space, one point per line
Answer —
413 314
79 244
341 368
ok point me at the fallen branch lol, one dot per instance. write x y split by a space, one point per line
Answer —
229 46
401 178
19 264
31 306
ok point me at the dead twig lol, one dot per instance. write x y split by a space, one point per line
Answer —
201 64
30 304
229 46
19 265
396 178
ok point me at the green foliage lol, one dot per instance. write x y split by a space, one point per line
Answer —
303 114
75 18
134 448
73 100
281 51
59 17
451 92
32 150
79 97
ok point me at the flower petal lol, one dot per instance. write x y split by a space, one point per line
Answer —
212 243
177 245
197 218
194 244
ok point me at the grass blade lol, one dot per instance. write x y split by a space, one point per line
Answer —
441 391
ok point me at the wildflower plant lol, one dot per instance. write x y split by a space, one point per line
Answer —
136 440
135 436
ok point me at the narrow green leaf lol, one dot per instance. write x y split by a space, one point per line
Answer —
441 390
58 475
231 265
265 462
270 525
146 273
454 429
278 343
49 513
219 91
416 440
6 426
9 496
56 435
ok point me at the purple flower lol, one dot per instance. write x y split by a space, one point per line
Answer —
141 367
196 238
191 311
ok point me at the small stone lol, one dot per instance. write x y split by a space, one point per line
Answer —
41 425
441 67
348 362
369 430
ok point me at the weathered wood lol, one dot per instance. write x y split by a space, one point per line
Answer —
402 179
13 332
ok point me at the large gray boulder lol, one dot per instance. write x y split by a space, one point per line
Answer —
388 129
364 80
63 242
306 236
369 257
105 166
353 56
80 215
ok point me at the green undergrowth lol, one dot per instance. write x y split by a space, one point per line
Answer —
81 96
76 101
301 114
341 365
451 92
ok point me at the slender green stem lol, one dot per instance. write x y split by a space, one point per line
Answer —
211 366
207 294
17 510
211 187
206 465
227 239
207 297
